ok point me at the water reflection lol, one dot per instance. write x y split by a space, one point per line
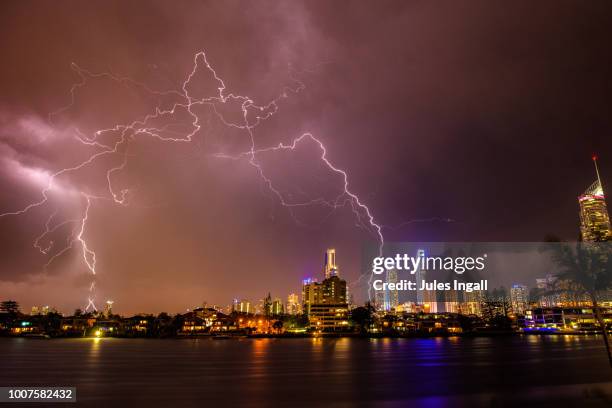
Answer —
308 371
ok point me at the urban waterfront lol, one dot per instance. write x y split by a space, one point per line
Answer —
560 370
306 204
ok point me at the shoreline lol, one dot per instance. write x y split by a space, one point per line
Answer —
317 336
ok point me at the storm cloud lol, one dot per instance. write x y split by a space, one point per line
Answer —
454 121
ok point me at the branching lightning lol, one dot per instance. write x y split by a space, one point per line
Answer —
251 116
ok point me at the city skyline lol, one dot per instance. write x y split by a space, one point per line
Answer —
306 203
594 226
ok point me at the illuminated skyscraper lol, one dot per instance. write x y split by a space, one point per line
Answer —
519 297
277 307
293 304
594 218
43 310
244 306
384 299
420 276
330 267
325 303
430 301
391 296
379 299
108 309
472 302
311 294
333 290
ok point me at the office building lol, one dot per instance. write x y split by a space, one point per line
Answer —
326 303
293 304
330 268
277 307
519 298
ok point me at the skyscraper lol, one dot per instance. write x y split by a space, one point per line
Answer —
325 303
385 299
379 299
419 277
277 307
430 301
293 304
472 302
330 267
519 297
311 294
427 298
594 218
391 296
108 308
245 306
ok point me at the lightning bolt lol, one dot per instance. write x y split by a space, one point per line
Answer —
251 116
361 211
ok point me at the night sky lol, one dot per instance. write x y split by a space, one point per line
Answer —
455 121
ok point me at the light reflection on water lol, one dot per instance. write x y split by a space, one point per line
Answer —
309 370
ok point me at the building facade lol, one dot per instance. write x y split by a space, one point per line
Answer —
293 304
330 268
326 303
594 217
310 294
519 298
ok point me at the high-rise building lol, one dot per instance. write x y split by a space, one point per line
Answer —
244 306
293 304
326 303
311 294
420 277
430 301
330 268
42 310
333 290
349 296
108 308
379 299
451 301
277 307
594 217
519 298
427 298
472 303
392 294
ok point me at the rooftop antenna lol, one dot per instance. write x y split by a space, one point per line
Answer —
597 171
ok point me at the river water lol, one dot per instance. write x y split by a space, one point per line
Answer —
434 372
